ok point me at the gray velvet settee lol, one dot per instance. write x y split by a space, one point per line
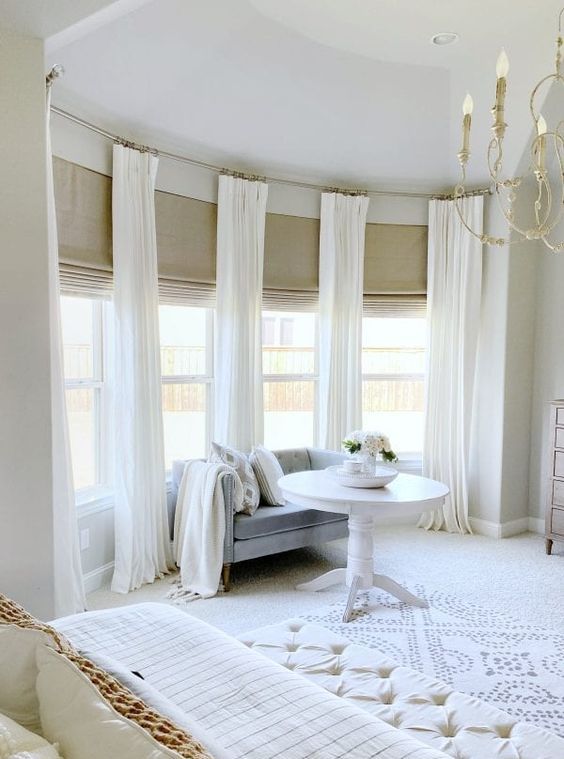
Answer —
273 529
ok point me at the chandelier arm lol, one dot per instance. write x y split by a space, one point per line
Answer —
548 226
557 77
559 144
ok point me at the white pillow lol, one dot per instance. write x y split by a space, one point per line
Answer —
15 739
222 454
18 671
268 471
76 716
157 701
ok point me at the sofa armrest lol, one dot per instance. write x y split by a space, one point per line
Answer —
321 459
228 484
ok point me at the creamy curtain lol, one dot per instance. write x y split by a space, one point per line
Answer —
143 550
454 297
69 590
241 211
341 264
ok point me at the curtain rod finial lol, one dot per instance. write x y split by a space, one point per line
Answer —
57 71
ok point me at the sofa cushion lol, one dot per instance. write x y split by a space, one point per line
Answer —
293 460
270 520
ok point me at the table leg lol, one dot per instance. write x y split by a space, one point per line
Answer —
334 577
398 591
353 590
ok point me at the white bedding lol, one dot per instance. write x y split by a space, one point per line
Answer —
250 705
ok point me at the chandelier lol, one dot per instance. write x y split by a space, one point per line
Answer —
548 206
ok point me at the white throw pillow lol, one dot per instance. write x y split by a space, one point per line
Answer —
222 454
157 701
76 716
18 672
268 471
15 740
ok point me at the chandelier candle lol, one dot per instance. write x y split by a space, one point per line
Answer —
541 130
467 108
502 69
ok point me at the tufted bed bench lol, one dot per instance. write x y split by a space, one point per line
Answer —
458 725
296 691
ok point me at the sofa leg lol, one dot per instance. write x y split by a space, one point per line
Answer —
226 577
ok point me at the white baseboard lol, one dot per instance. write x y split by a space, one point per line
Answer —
536 524
98 577
506 529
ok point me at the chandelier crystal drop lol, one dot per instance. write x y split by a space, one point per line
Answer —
548 207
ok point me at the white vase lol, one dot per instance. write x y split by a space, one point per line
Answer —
369 464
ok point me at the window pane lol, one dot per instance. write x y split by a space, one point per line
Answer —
184 419
395 406
288 414
78 337
81 411
288 343
183 340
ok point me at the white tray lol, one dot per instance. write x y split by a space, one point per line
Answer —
384 475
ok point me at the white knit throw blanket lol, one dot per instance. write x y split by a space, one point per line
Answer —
199 529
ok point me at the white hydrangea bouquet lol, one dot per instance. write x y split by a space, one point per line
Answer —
370 444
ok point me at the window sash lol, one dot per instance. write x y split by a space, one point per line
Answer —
207 378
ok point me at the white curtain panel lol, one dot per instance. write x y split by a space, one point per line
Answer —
142 543
454 298
69 589
241 214
341 269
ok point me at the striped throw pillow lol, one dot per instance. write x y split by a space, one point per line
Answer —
268 471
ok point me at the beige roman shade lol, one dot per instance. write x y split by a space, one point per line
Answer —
395 264
186 249
395 270
84 224
291 263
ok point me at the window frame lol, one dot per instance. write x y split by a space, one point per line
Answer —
98 383
206 379
299 377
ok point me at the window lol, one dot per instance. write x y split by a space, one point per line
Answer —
393 373
186 365
290 378
82 327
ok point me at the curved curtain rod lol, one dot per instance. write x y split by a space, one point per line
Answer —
222 170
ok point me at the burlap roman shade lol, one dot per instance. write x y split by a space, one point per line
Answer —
395 268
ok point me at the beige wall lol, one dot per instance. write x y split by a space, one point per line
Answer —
26 530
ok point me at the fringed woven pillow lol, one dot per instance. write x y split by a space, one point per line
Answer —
48 652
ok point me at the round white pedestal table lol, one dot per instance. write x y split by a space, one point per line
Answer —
407 495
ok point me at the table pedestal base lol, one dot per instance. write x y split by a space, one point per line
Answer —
359 573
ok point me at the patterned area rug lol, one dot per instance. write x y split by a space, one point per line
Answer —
517 667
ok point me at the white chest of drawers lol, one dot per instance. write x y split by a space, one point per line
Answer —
555 492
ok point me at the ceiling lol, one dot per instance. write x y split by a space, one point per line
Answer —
342 92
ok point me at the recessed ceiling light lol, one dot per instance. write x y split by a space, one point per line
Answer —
444 38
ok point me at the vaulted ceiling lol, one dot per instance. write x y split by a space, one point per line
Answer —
344 92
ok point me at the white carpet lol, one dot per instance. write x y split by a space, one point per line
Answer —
482 652
513 576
